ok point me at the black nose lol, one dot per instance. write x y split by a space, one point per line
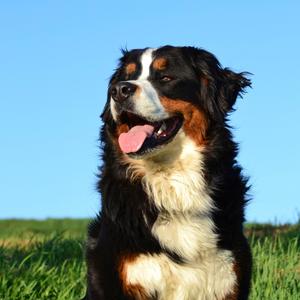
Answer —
122 91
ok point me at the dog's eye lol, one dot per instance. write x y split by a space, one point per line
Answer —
166 78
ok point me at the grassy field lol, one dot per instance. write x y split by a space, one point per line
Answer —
45 260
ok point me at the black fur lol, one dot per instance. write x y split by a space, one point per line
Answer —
120 227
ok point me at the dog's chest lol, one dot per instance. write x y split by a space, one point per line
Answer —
185 227
184 224
206 274
210 278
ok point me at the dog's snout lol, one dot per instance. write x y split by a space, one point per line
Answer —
122 91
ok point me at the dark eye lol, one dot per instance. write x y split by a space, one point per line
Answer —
166 78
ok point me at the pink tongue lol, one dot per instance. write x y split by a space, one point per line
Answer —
133 140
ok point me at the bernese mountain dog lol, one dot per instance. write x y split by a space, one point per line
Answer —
172 192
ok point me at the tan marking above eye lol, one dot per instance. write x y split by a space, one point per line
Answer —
160 63
130 68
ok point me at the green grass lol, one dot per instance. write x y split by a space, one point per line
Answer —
42 259
45 260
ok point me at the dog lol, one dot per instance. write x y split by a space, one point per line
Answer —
172 192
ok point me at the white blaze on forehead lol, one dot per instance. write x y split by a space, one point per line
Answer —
146 102
146 60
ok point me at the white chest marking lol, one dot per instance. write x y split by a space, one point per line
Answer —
211 279
175 182
174 179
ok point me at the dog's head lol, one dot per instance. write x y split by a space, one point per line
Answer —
157 93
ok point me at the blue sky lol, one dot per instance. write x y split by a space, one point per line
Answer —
55 61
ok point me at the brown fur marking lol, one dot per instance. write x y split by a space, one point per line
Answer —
133 290
234 295
160 63
135 168
122 128
195 123
130 68
204 81
137 92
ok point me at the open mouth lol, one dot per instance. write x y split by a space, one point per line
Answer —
144 136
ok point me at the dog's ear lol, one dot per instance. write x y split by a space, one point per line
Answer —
231 86
219 88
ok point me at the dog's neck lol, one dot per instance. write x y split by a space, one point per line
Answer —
174 178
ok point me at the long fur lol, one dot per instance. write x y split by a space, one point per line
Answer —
171 220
